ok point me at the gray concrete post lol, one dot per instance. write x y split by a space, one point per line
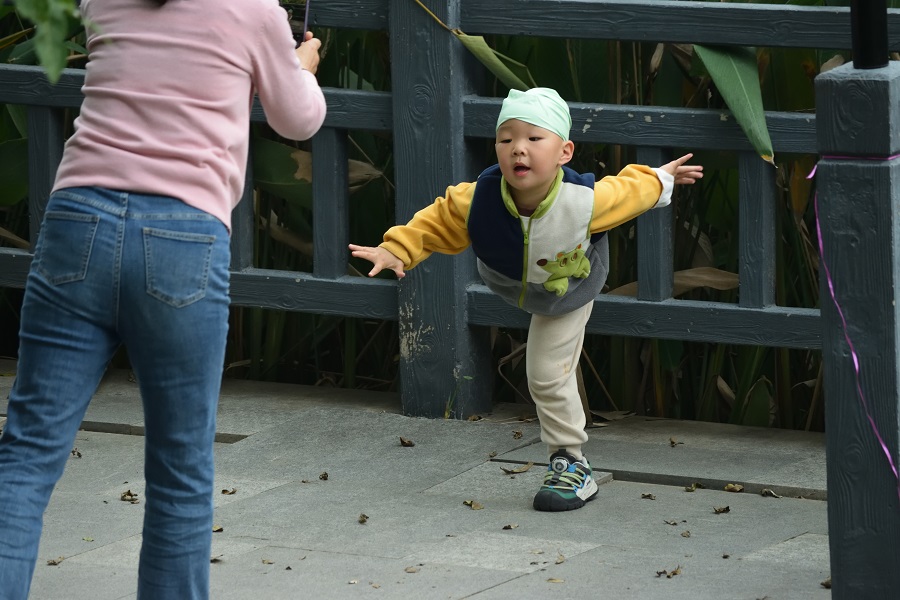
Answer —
858 128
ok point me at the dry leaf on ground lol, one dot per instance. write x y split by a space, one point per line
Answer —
648 497
55 561
217 528
323 475
76 453
726 555
556 580
412 569
406 443
363 517
721 509
473 505
475 418
519 469
694 487
517 435
266 561
686 534
510 526
216 559
673 442
827 583
129 496
669 574
230 492
768 492
492 454
734 487
560 559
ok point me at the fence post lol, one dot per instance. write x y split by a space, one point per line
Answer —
443 362
858 115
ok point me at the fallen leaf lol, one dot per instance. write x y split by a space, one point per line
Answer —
768 492
560 559
669 574
694 487
230 492
673 442
510 526
363 517
648 497
537 551
88 539
406 443
555 580
726 555
473 505
76 453
517 435
323 475
475 418
216 559
827 583
266 561
734 487
376 586
412 569
129 496
55 561
492 454
218 528
353 581
721 509
288 568
673 522
305 481
519 469
685 534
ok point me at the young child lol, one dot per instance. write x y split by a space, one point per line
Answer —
538 230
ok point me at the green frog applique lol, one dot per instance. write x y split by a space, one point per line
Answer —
567 264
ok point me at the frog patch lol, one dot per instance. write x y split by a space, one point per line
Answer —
567 264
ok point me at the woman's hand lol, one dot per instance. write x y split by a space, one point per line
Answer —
308 53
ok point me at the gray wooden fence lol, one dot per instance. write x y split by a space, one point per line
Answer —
442 308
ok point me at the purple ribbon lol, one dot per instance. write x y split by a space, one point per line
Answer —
837 305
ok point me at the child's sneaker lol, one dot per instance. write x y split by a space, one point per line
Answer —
568 484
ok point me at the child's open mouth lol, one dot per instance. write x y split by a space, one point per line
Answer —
520 169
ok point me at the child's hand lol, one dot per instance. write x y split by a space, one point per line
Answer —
381 258
308 53
683 174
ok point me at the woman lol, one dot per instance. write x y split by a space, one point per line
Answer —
134 251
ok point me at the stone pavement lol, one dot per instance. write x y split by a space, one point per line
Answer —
288 532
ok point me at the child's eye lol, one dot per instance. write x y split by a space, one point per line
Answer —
534 138
503 141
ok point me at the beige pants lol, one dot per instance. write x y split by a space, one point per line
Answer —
551 359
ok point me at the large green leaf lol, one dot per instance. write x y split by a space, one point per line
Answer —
13 171
734 71
501 66
53 19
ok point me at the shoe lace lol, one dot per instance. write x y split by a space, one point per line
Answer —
566 479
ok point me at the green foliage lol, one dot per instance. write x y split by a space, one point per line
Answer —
54 20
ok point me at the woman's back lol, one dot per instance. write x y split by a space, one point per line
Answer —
168 93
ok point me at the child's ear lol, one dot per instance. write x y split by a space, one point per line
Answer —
568 150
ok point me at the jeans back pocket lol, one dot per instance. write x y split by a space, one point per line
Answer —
177 265
64 249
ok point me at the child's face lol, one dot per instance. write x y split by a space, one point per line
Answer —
530 157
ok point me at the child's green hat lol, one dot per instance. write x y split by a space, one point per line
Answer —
539 106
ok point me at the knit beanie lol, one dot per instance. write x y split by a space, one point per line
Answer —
539 106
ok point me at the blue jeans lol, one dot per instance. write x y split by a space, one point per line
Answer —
150 273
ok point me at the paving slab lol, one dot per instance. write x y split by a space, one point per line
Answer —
419 539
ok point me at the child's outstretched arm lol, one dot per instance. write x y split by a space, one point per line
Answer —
683 174
380 258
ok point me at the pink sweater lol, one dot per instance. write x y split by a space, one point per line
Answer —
168 93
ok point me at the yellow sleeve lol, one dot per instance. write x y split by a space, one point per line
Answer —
620 198
440 227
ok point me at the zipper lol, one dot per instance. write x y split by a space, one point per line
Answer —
525 233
